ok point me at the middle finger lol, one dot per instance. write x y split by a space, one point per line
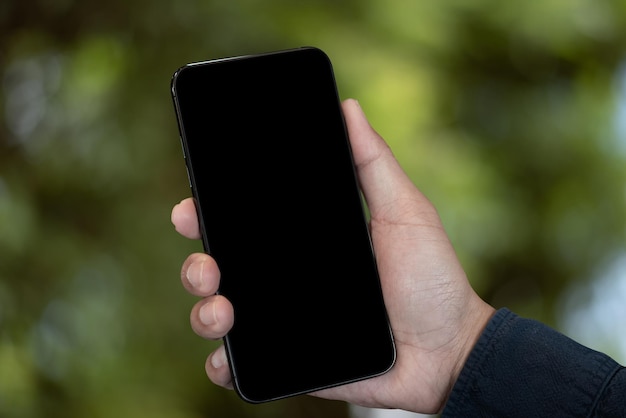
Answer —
200 275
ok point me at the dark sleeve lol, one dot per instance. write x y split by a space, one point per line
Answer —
522 368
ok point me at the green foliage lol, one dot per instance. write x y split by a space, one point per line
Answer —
503 113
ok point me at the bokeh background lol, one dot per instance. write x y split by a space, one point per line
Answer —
510 116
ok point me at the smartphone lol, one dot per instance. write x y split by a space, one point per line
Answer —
272 175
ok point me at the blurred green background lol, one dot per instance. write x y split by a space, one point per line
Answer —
510 116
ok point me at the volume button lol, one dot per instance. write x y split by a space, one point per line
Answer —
182 147
188 176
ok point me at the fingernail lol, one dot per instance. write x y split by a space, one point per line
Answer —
207 314
194 274
218 359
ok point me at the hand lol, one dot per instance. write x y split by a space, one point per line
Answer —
435 315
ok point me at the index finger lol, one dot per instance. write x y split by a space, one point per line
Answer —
185 219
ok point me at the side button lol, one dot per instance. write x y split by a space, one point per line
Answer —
182 147
188 176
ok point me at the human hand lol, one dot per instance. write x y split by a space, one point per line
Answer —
435 315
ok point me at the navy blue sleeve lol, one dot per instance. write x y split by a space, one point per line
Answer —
523 368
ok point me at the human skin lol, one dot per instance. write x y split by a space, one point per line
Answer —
435 315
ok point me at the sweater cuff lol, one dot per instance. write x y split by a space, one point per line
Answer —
521 368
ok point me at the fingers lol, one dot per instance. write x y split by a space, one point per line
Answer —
200 275
212 317
185 219
217 368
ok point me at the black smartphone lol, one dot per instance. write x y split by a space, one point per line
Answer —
280 210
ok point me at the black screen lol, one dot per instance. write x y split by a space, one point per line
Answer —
280 211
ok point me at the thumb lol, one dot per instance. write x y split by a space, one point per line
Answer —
388 191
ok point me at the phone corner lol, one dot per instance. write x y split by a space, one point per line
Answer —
317 50
174 79
241 393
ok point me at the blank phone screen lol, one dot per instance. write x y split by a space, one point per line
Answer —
280 210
